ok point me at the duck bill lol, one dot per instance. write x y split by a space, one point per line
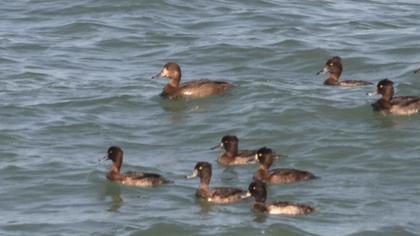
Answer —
104 158
218 146
372 93
159 75
192 175
323 71
246 195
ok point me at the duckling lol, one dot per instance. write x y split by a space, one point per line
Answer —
192 89
138 179
258 190
334 68
220 195
277 176
388 104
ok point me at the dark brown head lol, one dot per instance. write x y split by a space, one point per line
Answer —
230 142
265 157
258 190
170 70
386 88
115 154
333 66
203 170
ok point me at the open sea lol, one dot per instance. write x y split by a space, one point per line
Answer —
75 79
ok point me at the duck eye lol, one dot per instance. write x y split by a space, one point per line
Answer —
331 64
259 154
110 152
200 168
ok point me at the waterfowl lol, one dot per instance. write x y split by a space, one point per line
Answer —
388 104
334 68
138 179
258 190
191 89
220 195
233 156
265 157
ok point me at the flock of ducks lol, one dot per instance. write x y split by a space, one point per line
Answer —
264 157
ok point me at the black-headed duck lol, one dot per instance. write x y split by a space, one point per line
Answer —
220 195
258 190
265 157
334 68
388 104
232 154
191 89
138 179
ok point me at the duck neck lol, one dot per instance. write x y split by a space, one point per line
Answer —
116 165
205 182
332 79
175 79
262 173
231 150
388 94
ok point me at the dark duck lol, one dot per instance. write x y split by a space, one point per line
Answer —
265 157
258 190
191 89
399 105
233 156
220 195
334 68
138 179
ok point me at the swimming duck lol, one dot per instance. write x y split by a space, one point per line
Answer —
258 190
233 156
265 157
388 104
221 195
334 68
138 179
192 89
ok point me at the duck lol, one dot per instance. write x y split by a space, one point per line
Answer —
258 190
265 158
334 68
233 156
220 195
191 89
139 179
388 104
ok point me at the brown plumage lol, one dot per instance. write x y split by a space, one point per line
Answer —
138 179
220 195
257 189
334 68
388 104
277 176
192 89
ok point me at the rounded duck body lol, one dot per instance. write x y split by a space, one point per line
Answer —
333 67
232 156
192 89
218 195
258 190
138 179
390 105
277 176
